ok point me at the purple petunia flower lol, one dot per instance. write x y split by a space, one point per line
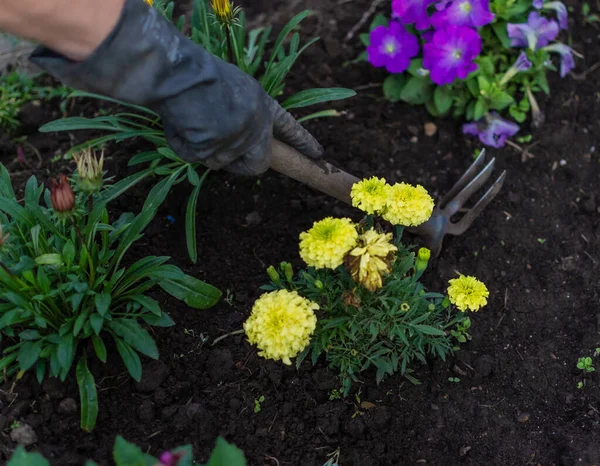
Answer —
492 130
412 12
450 54
472 13
538 4
392 47
561 13
535 33
522 64
567 63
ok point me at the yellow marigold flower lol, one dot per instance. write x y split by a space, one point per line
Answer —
408 205
281 324
326 244
371 195
223 11
467 293
371 259
149 2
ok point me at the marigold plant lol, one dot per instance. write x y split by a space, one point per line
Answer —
373 311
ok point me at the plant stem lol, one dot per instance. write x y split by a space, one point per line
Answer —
232 59
222 337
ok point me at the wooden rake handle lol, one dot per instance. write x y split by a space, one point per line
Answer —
317 174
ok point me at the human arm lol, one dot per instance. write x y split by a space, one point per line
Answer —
212 112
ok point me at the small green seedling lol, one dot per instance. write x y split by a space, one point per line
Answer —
585 364
257 404
454 379
541 240
335 394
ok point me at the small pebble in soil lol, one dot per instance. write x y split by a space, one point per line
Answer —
67 407
523 418
430 129
24 435
253 218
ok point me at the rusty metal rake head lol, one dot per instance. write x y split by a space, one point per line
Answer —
439 225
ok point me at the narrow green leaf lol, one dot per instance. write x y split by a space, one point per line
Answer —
443 98
30 335
148 303
103 301
322 114
128 454
97 322
79 322
66 351
190 224
40 370
87 395
193 292
99 348
130 359
163 321
429 330
310 97
135 336
28 354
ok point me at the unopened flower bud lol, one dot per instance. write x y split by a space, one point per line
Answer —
319 284
89 171
223 11
62 196
273 274
289 271
422 260
169 459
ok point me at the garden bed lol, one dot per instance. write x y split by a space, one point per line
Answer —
537 247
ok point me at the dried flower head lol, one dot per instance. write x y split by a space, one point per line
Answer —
89 171
326 244
467 293
62 196
281 324
372 259
408 205
371 195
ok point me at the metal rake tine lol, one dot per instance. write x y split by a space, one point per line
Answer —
464 180
459 200
464 223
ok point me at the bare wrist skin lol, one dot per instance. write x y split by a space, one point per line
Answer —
72 28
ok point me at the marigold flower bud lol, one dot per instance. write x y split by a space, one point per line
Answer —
289 271
62 196
422 260
89 171
273 274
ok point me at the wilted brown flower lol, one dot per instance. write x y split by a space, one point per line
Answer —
62 196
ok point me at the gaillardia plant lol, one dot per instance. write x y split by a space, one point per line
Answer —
66 288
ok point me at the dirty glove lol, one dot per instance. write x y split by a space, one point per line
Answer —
212 112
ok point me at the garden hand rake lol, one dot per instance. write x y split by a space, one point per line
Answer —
330 180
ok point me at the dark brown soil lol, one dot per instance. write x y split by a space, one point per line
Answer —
537 247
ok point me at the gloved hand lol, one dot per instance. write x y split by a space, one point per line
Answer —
212 111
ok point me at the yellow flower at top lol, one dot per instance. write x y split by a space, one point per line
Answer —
371 259
467 293
281 324
371 195
328 241
149 2
223 11
408 205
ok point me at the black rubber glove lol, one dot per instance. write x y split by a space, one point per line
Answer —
212 111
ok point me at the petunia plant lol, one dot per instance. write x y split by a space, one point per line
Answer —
69 293
360 302
221 29
482 60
